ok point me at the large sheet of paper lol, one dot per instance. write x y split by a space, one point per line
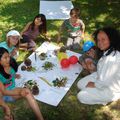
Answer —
55 9
49 94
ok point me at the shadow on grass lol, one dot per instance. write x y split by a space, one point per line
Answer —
95 14
15 14
99 13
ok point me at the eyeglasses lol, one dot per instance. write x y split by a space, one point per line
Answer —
15 37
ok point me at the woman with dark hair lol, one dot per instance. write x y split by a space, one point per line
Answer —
103 86
32 30
8 89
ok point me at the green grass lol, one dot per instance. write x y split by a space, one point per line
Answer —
14 14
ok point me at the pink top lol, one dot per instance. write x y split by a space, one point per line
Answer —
32 34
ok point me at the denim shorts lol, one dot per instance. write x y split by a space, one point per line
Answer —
8 99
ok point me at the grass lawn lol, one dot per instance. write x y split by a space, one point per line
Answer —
14 14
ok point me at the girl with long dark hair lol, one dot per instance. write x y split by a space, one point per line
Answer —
7 85
32 30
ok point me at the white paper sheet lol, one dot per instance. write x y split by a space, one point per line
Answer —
55 9
50 95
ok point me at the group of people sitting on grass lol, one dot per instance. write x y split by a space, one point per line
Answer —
101 59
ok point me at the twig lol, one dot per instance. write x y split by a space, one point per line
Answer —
46 81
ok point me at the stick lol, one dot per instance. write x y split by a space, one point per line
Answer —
46 81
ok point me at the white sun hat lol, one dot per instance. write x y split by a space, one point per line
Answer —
13 33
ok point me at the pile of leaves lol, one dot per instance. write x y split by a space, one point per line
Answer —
28 66
60 82
48 65
42 56
32 85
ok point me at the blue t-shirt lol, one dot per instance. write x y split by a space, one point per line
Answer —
5 45
9 83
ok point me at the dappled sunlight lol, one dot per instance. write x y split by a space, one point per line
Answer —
101 13
72 98
92 25
87 36
53 32
102 17
56 23
14 14
55 27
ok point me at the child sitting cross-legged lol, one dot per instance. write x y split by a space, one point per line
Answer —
74 27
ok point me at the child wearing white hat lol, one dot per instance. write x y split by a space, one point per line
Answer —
12 43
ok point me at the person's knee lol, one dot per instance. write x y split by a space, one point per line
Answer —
80 85
82 97
25 92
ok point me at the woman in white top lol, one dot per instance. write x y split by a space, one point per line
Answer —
103 86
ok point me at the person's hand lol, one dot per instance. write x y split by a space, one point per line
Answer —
24 92
14 52
18 76
33 49
87 64
90 65
91 53
91 85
